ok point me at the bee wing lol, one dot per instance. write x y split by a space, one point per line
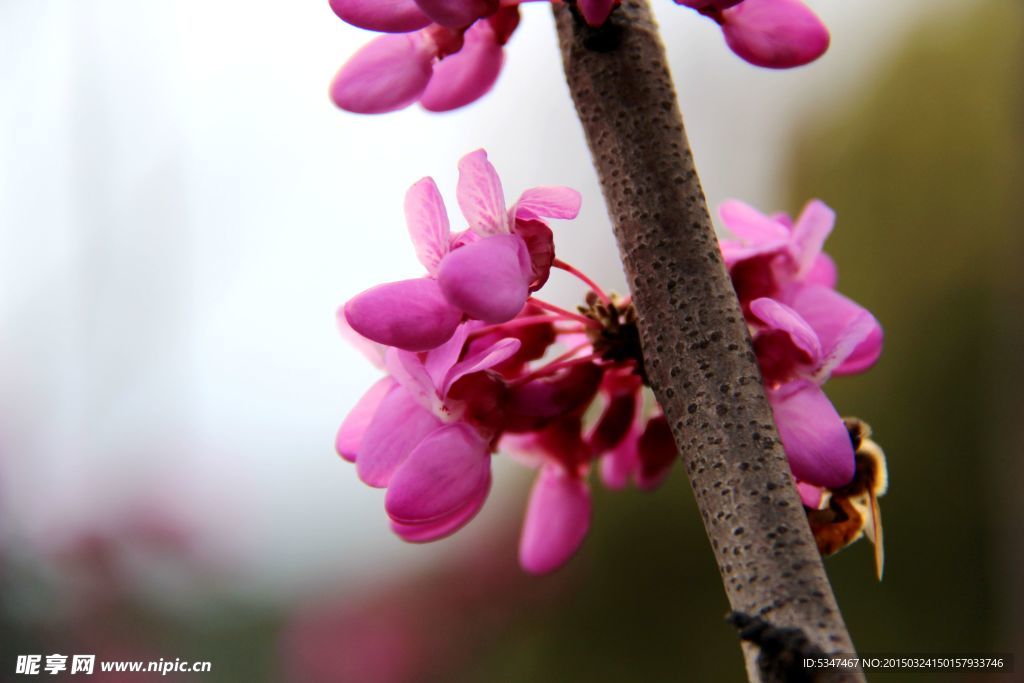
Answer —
874 534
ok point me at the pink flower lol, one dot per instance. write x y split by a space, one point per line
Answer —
557 520
772 252
645 455
795 361
777 34
441 53
425 434
485 273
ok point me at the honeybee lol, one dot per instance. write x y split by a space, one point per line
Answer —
852 511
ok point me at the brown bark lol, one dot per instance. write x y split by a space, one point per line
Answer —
695 343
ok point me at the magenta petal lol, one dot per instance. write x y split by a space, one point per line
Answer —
410 314
864 355
425 532
705 4
557 520
480 195
595 12
457 13
386 16
371 350
776 316
398 426
816 441
619 464
614 423
388 73
488 279
837 320
408 370
483 359
656 453
427 221
822 272
439 362
750 225
809 234
778 34
441 475
548 202
537 402
467 75
350 435
810 495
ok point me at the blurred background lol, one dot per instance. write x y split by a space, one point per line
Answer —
182 211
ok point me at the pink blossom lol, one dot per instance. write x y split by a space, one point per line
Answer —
770 252
645 454
557 520
776 34
795 361
485 273
442 53
421 434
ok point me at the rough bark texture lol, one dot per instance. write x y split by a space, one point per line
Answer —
696 346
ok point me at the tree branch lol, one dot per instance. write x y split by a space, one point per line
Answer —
695 342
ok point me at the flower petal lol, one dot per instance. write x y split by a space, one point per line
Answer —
777 34
557 520
457 13
427 221
776 316
656 452
809 234
388 73
410 314
548 202
810 495
438 362
408 369
371 350
467 75
398 426
816 441
614 423
595 12
425 532
440 476
386 16
750 225
535 403
618 464
484 359
488 279
350 435
838 321
822 272
480 195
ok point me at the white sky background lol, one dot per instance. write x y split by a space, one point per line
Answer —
182 210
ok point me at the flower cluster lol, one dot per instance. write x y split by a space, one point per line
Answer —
464 348
803 332
468 352
446 54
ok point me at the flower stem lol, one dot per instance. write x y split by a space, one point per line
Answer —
559 263
554 365
590 322
696 347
